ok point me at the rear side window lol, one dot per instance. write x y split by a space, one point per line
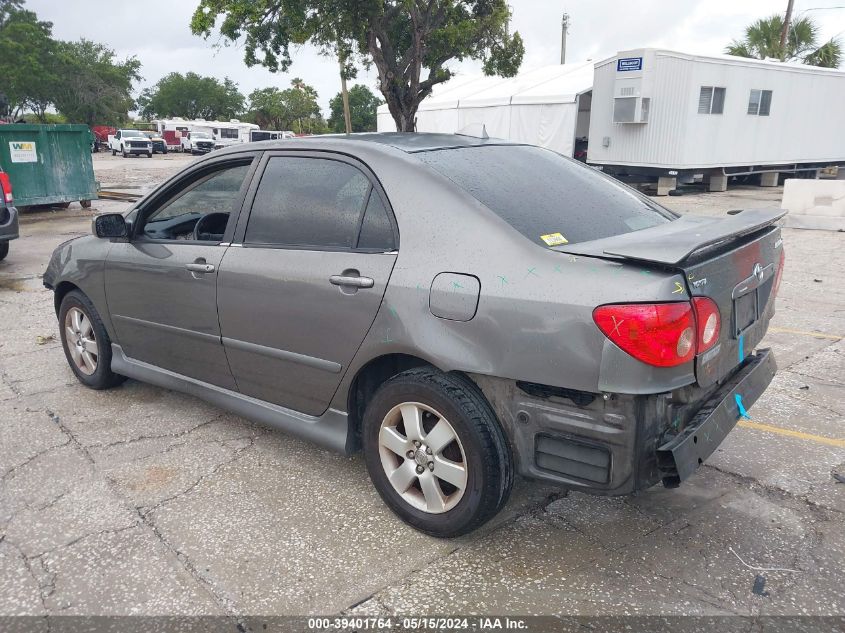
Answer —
550 199
376 229
308 202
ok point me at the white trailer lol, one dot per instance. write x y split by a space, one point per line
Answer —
225 133
546 106
672 115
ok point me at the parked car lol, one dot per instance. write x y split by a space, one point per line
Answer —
197 142
8 215
159 144
130 142
461 309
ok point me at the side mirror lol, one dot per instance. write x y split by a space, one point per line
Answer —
110 225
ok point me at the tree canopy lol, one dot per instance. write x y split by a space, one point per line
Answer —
762 40
294 108
191 96
82 80
26 60
95 88
411 42
362 107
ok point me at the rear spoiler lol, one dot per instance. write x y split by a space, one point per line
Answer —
673 242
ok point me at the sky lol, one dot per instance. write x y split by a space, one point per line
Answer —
157 32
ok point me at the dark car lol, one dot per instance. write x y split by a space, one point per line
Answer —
8 215
159 144
464 310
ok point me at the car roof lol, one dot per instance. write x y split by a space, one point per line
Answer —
409 142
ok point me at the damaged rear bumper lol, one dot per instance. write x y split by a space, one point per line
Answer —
679 457
615 444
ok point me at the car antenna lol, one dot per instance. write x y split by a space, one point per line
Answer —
473 130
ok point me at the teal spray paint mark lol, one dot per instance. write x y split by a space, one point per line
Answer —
532 271
741 349
742 412
456 285
502 280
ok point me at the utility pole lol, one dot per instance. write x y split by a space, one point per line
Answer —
785 30
564 28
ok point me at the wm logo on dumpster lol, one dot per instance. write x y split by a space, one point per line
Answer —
22 152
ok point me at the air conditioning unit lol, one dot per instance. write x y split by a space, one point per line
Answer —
631 109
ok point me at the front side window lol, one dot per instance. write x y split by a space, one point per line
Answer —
208 199
308 202
711 100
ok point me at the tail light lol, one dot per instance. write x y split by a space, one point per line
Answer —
659 334
779 273
5 188
708 321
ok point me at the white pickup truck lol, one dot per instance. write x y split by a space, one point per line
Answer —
197 142
129 142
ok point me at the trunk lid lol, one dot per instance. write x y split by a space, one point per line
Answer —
733 260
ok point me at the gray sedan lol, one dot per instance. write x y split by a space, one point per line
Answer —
463 310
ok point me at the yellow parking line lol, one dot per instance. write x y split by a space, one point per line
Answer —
785 330
820 439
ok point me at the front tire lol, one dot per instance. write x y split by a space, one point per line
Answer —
4 250
125 155
86 342
436 452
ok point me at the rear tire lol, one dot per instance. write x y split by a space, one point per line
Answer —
86 342
442 479
4 250
114 152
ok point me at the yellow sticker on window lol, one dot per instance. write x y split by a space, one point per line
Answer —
554 239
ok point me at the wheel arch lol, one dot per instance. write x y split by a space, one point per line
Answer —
367 380
61 292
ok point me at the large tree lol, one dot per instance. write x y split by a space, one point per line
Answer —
411 42
27 60
362 109
95 88
762 40
192 97
295 108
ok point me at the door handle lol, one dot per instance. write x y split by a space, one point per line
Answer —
200 268
352 282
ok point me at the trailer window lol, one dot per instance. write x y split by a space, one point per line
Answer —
711 100
542 194
760 102
228 132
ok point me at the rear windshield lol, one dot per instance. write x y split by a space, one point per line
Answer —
550 199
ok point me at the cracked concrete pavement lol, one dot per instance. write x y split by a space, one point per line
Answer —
144 501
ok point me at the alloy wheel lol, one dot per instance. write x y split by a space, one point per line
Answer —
422 457
81 341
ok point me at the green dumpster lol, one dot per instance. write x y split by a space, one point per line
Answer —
48 164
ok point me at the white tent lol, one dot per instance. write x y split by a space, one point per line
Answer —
538 106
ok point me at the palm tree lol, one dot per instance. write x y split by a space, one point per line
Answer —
762 40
